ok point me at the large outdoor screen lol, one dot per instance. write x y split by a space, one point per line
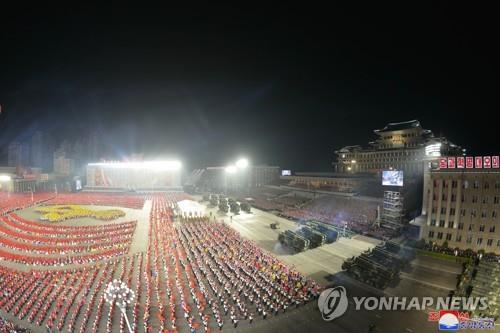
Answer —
286 172
392 178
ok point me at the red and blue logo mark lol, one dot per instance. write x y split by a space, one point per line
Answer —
453 320
449 320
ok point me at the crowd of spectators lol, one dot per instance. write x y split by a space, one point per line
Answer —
357 214
8 327
99 199
61 295
33 243
10 202
196 275
213 275
291 201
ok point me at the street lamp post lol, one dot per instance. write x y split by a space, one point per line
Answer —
31 190
118 293
242 164
232 169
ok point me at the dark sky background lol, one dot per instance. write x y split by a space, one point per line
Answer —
284 86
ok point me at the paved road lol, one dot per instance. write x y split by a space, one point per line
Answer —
318 263
323 265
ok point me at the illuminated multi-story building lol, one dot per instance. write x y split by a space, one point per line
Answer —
18 154
42 150
401 146
64 163
462 209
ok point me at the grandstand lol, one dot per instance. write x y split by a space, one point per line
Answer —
357 213
134 176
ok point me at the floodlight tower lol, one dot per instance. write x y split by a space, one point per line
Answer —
242 165
6 179
229 170
120 294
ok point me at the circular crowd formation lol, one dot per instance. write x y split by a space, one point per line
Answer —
58 213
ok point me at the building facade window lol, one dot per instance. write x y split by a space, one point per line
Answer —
431 234
481 228
479 241
460 226
440 235
451 224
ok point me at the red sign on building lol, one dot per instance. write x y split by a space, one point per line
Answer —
451 162
479 162
487 162
469 162
460 162
495 162
443 163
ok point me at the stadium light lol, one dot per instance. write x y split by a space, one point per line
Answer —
5 178
231 169
242 163
150 165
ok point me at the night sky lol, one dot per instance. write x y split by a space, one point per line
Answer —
284 86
